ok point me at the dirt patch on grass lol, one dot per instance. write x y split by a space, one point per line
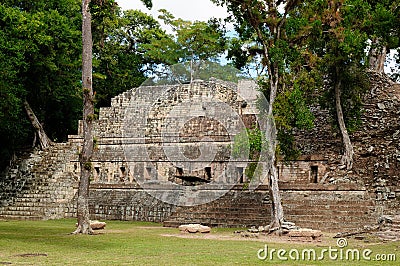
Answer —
130 230
324 240
28 255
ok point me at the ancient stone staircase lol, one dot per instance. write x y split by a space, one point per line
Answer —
332 211
235 209
390 228
45 191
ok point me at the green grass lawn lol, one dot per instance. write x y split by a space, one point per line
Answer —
137 243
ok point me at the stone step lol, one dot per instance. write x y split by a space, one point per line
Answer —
329 225
30 194
329 213
396 222
328 203
20 213
20 217
29 201
223 211
328 208
26 205
217 222
317 217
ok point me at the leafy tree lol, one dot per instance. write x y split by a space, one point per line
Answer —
131 45
265 25
39 48
184 73
193 42
121 61
11 88
85 156
382 24
336 36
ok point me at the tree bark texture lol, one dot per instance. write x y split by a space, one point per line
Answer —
377 57
347 158
44 140
277 216
88 117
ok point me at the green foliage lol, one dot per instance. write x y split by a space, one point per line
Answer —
251 170
248 145
340 41
291 112
147 3
383 22
241 145
184 73
39 51
95 143
356 83
124 49
196 40
270 40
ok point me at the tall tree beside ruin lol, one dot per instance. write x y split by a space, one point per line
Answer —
88 118
265 22
337 35
85 156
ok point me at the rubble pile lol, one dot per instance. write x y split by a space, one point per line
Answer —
287 229
389 228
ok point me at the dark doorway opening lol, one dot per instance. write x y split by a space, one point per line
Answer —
179 171
240 175
207 171
314 174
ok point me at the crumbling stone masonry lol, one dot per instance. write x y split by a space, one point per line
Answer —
150 147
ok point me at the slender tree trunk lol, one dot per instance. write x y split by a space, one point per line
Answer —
347 158
88 117
377 57
277 216
40 134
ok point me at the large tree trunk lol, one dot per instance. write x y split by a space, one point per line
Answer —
347 158
377 57
40 134
88 117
